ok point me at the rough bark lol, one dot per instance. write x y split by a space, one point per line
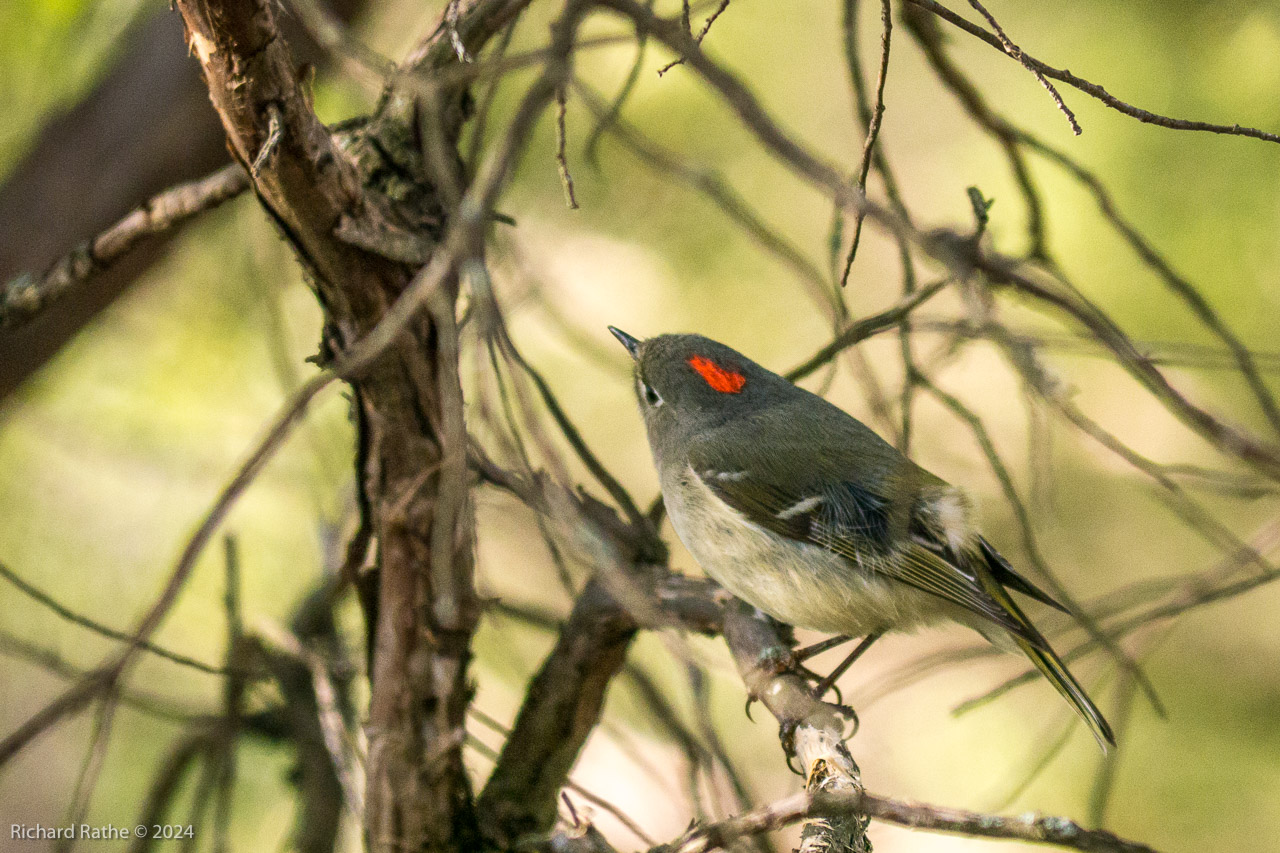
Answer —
562 706
418 794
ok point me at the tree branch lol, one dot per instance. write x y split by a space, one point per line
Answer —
1092 89
27 295
1033 828
563 705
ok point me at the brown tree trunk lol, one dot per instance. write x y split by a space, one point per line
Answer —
412 465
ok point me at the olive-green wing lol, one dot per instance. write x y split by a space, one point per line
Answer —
857 524
1007 576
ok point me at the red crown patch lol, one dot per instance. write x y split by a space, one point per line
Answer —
720 379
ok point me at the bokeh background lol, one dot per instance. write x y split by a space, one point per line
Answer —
112 452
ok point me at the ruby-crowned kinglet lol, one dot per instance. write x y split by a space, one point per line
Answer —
802 511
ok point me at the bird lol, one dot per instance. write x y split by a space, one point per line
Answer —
804 512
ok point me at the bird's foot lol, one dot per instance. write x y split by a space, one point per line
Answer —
849 714
822 685
806 674
787 737
787 734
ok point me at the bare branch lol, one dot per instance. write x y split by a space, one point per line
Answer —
91 769
98 628
715 187
1245 360
563 704
1093 89
702 33
569 785
867 327
562 162
26 295
233 692
1016 52
872 116
153 705
353 364
168 782
928 35
1037 829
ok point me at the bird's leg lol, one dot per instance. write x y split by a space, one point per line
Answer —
827 683
799 656
802 655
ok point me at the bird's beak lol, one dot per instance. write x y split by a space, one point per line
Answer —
632 344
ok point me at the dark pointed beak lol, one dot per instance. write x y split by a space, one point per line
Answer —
632 344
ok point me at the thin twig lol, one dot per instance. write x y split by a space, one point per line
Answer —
80 619
1245 360
867 327
90 770
716 188
1016 52
486 101
595 799
232 698
153 705
925 30
571 433
874 116
1105 782
702 33
605 119
167 784
1027 364
1093 89
562 162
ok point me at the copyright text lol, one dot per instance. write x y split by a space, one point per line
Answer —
95 832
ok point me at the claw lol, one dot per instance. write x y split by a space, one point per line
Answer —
751 700
810 675
787 736
850 714
825 686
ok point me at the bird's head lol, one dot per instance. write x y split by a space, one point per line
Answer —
687 383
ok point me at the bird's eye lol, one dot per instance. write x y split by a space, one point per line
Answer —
650 396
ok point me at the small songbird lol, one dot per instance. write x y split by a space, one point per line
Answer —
803 511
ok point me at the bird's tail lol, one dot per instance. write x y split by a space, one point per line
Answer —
1036 647
1061 678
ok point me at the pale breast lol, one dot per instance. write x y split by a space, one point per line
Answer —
798 583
